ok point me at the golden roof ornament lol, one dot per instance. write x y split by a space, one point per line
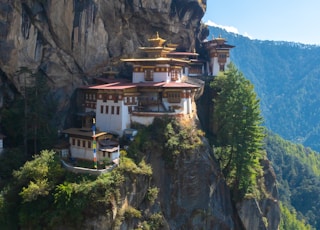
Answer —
157 41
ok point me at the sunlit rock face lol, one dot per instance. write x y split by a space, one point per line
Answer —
70 41
73 41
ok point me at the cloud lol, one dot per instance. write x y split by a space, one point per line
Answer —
231 29
247 35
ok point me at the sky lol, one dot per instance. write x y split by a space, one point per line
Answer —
279 20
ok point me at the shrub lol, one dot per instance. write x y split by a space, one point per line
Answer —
152 194
131 212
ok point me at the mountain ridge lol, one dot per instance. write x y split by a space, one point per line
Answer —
285 76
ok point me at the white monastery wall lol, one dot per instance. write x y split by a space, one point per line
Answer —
137 77
110 118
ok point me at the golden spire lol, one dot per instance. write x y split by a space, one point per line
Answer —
156 41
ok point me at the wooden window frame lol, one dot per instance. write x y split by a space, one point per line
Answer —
174 97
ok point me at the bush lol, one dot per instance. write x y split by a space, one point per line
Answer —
128 165
131 212
152 194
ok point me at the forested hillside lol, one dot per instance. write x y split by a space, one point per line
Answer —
298 173
286 78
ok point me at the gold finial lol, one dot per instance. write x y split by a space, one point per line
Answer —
156 41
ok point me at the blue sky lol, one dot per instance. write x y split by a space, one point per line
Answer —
281 20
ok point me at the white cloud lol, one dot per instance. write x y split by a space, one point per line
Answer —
231 29
247 35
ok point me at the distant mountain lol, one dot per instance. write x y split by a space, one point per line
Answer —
286 77
298 175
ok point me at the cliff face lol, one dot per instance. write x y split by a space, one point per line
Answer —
70 41
192 195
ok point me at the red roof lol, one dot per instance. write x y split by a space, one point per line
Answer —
110 80
115 85
179 85
119 85
150 84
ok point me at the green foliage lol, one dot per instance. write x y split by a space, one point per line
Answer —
181 138
297 170
27 198
238 130
128 165
130 212
38 176
35 189
43 195
152 194
98 193
137 147
289 220
156 221
168 135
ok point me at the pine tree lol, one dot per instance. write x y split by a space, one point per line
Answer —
238 130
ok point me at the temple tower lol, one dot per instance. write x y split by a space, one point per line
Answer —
219 53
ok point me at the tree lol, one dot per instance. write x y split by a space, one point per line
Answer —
30 116
238 131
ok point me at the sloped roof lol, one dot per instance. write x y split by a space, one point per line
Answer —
86 133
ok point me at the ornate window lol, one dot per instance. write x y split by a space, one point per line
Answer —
148 75
175 75
174 97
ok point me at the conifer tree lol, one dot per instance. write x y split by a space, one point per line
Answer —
238 130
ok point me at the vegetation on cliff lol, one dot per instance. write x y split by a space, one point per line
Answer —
172 136
42 194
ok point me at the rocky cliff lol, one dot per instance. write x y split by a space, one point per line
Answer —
192 194
73 41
